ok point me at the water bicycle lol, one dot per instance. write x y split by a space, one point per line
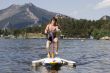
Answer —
53 61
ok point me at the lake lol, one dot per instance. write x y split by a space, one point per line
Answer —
91 56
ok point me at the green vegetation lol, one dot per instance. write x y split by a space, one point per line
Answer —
70 28
84 28
29 32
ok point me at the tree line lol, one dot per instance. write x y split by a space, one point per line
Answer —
71 28
84 28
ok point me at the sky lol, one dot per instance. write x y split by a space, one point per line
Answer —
79 9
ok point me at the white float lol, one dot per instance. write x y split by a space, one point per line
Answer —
53 61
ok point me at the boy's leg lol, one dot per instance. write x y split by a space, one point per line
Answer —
48 48
56 43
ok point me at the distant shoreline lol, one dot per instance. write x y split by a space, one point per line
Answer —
46 38
42 36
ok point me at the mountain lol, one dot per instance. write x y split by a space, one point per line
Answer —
21 16
105 17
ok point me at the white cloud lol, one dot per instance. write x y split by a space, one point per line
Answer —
103 4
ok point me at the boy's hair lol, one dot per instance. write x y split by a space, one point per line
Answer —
54 19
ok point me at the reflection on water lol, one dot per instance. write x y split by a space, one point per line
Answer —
91 56
44 70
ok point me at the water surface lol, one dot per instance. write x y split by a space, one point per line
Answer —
91 56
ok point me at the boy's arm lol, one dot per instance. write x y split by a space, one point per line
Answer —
46 29
58 28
